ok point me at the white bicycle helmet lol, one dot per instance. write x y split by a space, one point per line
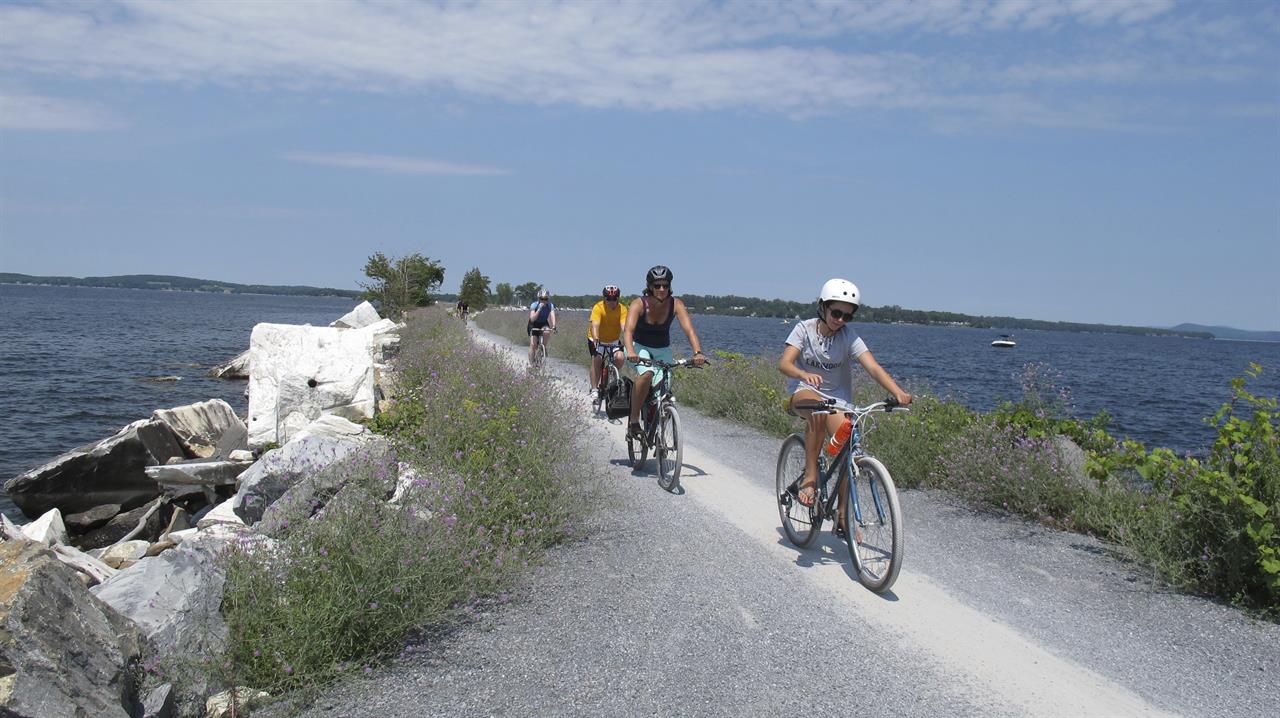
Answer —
840 290
543 294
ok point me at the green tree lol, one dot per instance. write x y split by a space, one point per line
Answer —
528 292
504 294
475 289
397 285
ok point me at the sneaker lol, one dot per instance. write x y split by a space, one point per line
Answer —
634 431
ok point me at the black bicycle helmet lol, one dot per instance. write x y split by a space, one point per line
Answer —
611 291
658 273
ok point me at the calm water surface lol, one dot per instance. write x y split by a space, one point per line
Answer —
1156 389
77 364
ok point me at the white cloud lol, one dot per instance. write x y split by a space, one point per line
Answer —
24 111
392 165
791 58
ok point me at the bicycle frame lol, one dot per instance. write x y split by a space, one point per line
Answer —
846 458
659 393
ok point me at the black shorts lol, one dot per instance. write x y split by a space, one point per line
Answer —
529 329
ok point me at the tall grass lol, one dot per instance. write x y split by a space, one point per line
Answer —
492 481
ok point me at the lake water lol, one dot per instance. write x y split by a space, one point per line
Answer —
77 364
1156 389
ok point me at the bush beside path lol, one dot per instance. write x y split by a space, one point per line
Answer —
695 604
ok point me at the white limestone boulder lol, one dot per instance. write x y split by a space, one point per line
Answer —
96 570
117 555
362 316
200 427
301 372
48 529
223 513
237 368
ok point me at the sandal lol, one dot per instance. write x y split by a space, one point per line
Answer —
806 491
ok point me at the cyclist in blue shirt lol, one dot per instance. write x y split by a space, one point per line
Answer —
542 315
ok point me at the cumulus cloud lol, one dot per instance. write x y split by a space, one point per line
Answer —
389 164
786 57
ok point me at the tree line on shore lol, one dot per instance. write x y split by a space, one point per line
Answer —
415 278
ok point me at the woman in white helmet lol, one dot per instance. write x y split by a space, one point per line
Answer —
818 360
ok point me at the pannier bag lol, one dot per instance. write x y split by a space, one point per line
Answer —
617 403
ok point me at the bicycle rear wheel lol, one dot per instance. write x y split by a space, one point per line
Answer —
800 522
669 448
637 452
876 545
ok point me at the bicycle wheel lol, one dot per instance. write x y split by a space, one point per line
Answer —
800 522
540 355
637 452
669 448
878 555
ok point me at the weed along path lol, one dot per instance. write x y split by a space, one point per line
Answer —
695 604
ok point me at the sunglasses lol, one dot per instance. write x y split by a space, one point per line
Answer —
663 285
844 316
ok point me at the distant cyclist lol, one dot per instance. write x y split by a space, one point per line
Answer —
542 315
818 360
608 318
462 310
648 335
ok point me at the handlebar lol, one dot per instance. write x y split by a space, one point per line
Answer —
828 406
541 330
687 363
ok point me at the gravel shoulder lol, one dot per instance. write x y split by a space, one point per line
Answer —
694 604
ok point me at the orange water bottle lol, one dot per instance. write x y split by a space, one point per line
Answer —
840 437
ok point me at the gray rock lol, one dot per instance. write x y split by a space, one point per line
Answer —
236 368
120 526
159 702
63 651
95 517
314 491
200 426
106 472
174 597
280 469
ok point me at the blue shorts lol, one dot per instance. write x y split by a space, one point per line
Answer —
659 353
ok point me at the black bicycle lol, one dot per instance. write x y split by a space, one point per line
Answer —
871 515
609 375
540 349
661 427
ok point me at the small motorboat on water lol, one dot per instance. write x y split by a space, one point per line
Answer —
1004 342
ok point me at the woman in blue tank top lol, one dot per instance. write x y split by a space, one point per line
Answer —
648 335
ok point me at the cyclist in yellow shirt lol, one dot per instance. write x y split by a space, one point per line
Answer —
608 317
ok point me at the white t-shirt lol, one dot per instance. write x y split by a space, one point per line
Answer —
830 357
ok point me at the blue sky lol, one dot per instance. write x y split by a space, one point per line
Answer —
1080 160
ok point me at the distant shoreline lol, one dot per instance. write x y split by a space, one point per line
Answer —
167 283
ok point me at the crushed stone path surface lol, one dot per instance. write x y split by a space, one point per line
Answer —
694 604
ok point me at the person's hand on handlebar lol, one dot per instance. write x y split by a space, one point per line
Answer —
903 398
698 359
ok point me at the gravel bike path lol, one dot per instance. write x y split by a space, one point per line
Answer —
695 604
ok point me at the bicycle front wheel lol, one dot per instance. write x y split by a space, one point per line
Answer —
669 448
540 355
800 522
872 507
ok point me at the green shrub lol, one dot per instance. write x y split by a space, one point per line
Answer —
497 482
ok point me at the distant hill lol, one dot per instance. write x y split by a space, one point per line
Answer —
179 284
1229 333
